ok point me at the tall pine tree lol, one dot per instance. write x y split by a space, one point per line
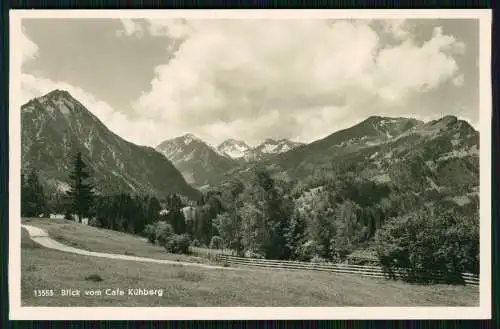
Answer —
80 193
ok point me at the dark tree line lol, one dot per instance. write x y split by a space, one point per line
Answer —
80 194
33 199
78 200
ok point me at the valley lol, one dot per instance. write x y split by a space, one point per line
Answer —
386 186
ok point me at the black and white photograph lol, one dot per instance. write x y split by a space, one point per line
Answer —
250 164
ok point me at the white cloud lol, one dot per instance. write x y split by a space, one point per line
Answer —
130 27
173 28
131 129
399 28
266 78
405 68
140 131
29 49
459 80
298 79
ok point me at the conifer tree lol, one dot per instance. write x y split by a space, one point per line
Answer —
175 216
80 193
32 195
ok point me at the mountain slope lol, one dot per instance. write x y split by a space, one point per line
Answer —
199 163
441 156
56 125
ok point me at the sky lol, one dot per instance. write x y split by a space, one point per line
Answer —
300 79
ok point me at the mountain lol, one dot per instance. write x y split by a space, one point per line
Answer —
236 149
440 156
233 148
56 126
199 163
268 147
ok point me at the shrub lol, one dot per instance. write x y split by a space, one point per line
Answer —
94 222
306 251
216 242
178 244
318 260
163 232
68 216
150 232
428 242
196 243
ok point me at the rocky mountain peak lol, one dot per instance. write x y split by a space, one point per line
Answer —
270 141
198 162
233 148
56 125
189 138
58 93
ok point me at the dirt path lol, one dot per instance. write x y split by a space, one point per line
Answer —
41 237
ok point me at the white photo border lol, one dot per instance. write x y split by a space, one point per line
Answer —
483 311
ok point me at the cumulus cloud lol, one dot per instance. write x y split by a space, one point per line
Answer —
398 28
133 130
176 28
302 79
130 27
29 49
255 79
459 80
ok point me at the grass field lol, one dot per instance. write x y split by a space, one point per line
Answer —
102 240
185 286
44 268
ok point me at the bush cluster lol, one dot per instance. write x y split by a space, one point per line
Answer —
178 244
162 233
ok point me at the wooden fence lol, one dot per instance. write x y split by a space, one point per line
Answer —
363 270
210 254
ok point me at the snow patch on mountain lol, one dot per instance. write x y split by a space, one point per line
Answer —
432 184
461 200
460 153
233 148
236 152
270 146
383 178
189 138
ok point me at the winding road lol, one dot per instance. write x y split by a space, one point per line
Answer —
41 237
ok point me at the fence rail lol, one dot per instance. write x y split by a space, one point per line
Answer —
369 271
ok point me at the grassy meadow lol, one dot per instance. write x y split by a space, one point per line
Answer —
108 241
44 268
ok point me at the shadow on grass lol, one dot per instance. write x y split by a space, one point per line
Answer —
94 278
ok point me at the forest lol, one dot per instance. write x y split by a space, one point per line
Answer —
323 218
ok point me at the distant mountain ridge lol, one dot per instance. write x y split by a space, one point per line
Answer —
270 147
234 149
442 154
202 164
199 163
56 126
237 149
411 155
